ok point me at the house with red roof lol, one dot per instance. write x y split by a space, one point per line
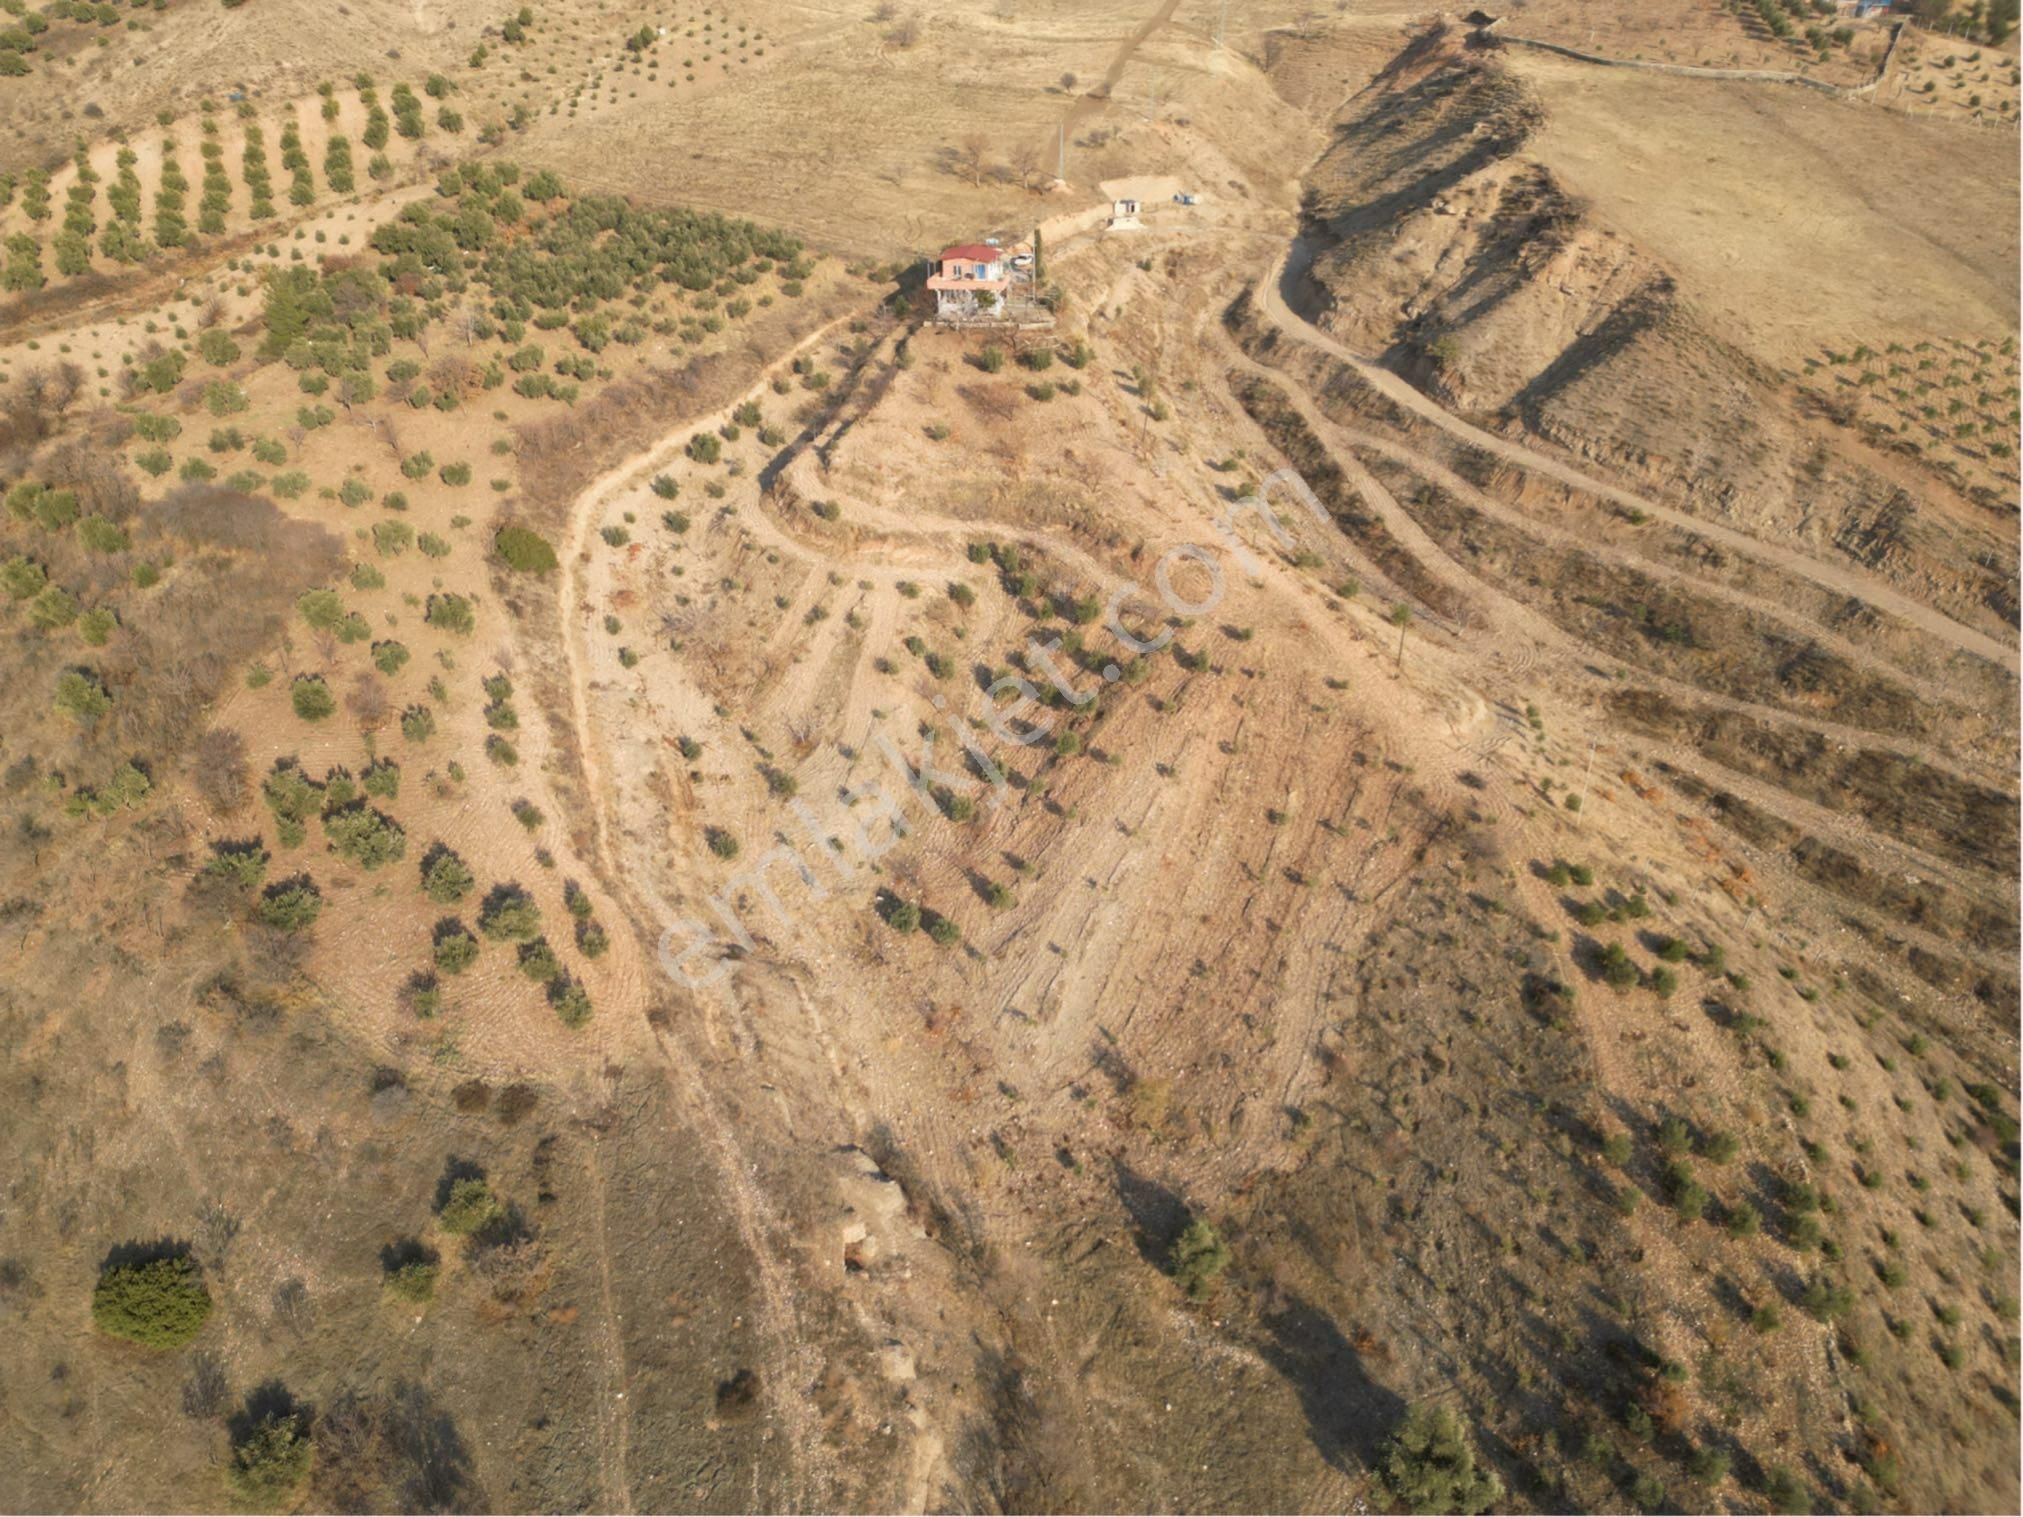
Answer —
969 282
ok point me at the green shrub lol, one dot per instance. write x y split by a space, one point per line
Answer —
321 609
81 697
223 398
1827 1299
96 626
99 535
1787 1493
1430 1466
241 865
369 838
445 876
1688 1196
455 948
538 962
271 1459
1198 1258
452 613
22 577
468 1207
525 550
413 1281
570 1000
1708 1466
290 905
158 1303
509 912
311 697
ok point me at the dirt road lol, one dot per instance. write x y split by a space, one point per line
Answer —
1276 296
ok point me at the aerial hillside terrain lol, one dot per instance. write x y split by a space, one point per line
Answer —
1357 850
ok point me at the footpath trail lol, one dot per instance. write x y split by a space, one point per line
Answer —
1273 302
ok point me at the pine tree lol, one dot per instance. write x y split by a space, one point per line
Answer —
1430 1466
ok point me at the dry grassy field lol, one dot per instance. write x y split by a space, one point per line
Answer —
1778 218
1705 34
636 879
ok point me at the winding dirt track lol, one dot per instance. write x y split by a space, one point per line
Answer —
1272 299
754 1215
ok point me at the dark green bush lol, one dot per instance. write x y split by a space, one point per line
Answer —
271 1458
1430 1466
311 697
509 912
468 1207
159 1303
290 905
455 949
1197 1259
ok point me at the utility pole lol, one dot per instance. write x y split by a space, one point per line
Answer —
1061 168
1586 775
1221 24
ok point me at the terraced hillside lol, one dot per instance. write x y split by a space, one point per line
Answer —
1377 872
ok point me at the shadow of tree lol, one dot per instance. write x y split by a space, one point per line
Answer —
395 1449
1157 1213
144 1251
455 1169
1349 1416
269 1401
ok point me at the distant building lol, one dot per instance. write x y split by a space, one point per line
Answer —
1861 10
969 282
1124 215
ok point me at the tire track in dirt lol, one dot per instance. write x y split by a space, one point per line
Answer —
1095 99
614 1420
1437 474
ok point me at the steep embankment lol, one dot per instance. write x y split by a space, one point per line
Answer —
1447 249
